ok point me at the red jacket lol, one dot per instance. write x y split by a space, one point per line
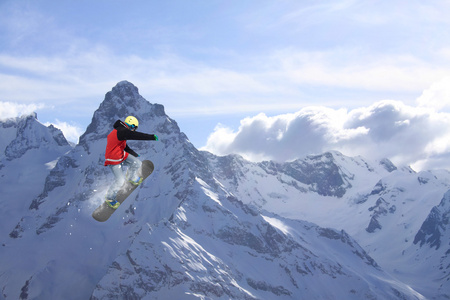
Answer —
117 149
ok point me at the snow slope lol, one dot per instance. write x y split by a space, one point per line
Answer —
381 206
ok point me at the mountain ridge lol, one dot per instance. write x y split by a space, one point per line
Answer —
201 227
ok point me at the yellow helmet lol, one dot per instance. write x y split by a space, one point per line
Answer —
132 122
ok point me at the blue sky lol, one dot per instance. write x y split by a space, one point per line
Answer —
217 65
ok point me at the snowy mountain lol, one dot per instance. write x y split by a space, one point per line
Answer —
208 227
28 150
381 206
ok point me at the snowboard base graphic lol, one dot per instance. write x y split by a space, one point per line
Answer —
104 211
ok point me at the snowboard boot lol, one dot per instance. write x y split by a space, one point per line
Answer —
112 203
138 181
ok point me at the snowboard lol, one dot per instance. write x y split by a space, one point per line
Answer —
104 211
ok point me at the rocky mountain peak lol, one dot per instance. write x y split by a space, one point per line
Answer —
125 89
28 133
123 96
388 165
124 100
436 226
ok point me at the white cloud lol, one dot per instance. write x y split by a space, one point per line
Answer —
191 86
437 96
350 68
12 110
407 135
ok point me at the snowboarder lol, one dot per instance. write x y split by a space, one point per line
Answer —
117 155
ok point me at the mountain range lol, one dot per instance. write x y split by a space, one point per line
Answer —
202 226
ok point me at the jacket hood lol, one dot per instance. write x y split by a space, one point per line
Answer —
119 123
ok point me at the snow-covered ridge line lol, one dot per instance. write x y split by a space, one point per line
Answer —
208 227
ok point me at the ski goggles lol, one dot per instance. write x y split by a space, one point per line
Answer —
132 126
